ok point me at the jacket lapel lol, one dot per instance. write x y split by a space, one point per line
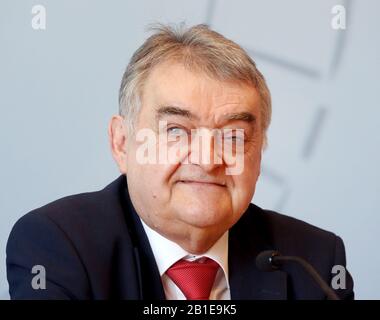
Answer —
247 238
150 285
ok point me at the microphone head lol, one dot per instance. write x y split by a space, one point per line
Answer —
264 260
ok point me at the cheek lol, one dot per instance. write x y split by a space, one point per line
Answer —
252 163
243 190
150 191
245 183
153 177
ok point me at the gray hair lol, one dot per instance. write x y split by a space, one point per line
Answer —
197 48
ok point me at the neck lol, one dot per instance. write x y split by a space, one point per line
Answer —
192 239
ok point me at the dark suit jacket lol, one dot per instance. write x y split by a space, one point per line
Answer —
93 246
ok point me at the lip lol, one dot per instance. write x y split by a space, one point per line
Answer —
199 182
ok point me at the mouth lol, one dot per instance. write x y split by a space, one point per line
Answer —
202 183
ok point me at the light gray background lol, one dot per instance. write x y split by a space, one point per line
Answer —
58 89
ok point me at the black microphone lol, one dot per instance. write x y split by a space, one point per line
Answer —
271 260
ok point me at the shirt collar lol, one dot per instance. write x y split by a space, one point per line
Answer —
167 252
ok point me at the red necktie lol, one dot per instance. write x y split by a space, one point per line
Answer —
194 278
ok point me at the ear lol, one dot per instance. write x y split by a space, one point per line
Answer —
117 137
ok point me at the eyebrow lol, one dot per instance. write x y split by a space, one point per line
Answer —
174 111
240 116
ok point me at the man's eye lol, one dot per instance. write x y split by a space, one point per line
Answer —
176 130
234 138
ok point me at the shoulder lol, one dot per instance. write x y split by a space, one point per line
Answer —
291 227
87 206
78 239
86 219
263 229
282 224
286 234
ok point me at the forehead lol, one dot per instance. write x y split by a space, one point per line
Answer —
173 84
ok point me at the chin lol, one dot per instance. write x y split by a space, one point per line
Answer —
203 217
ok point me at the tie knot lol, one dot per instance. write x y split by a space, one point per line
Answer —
194 278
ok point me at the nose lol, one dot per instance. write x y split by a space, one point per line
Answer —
204 150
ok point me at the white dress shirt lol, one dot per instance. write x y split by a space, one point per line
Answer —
167 252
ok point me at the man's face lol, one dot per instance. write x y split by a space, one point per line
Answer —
194 195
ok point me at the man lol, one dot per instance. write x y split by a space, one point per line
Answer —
178 222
